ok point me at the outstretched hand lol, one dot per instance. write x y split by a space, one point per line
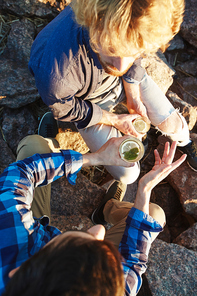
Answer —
162 167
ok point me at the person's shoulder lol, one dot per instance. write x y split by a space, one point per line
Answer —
60 40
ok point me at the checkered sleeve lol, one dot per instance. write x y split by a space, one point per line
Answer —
20 178
134 248
20 235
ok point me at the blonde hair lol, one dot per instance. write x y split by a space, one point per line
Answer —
118 26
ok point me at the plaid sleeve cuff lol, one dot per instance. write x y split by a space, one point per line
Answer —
142 221
73 164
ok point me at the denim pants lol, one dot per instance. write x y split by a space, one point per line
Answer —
158 109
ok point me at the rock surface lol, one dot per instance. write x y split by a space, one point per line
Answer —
171 269
188 111
158 68
187 87
188 27
183 180
39 8
16 124
6 156
188 238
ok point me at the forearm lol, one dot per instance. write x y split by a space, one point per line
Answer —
91 159
108 118
132 90
21 177
142 198
134 102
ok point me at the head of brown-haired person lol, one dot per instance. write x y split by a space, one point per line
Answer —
74 263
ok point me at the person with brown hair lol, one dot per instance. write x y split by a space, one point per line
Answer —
88 59
37 259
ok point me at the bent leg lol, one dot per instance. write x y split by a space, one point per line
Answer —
161 112
116 212
179 133
96 136
42 195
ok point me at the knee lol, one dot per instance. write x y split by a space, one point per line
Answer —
157 213
172 124
125 175
32 140
175 128
30 145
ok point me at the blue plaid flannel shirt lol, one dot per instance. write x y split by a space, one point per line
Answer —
21 236
134 248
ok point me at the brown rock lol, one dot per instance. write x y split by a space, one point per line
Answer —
167 198
187 89
176 43
183 180
16 124
165 235
158 68
73 204
188 111
188 238
171 270
188 27
189 67
17 85
6 156
20 40
41 8
69 139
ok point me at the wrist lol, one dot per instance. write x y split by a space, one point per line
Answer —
92 159
109 118
142 198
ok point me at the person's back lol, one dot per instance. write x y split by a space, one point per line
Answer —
62 62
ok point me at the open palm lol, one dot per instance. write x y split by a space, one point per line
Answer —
162 167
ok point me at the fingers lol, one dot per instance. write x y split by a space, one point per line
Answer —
179 161
157 157
142 111
168 155
171 167
166 152
165 169
169 152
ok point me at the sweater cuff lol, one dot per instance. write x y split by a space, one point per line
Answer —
96 117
